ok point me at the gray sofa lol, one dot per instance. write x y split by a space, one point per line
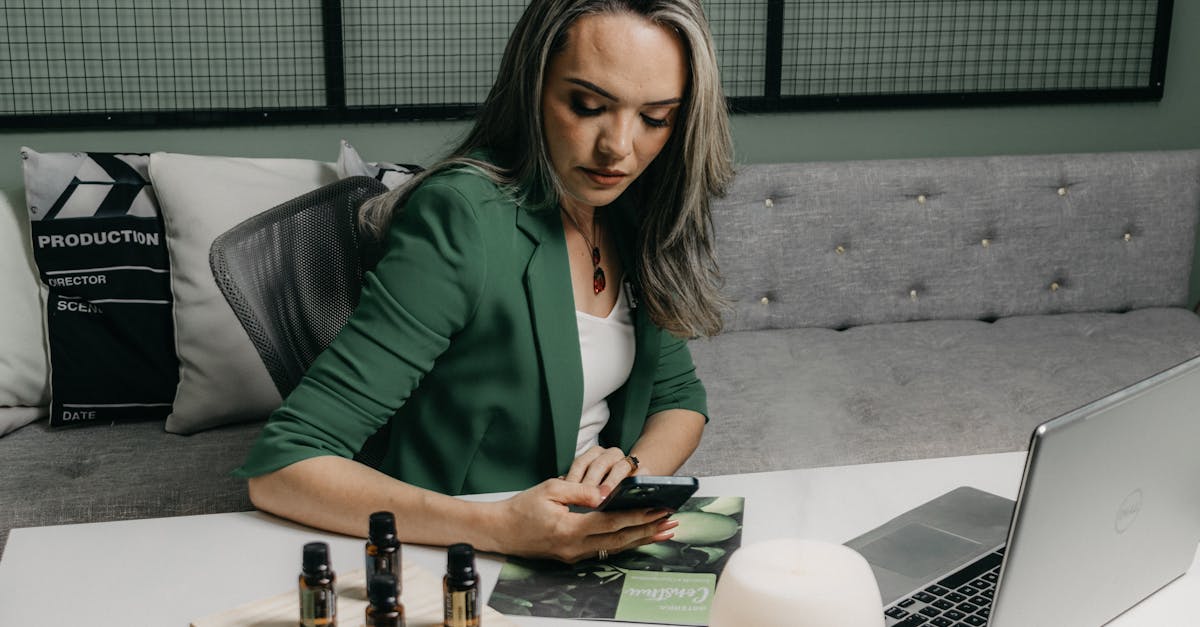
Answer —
888 310
882 310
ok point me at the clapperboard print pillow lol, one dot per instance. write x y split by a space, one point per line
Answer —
99 247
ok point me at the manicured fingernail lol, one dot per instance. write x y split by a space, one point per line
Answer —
668 524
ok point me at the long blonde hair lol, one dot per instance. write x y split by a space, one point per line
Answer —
676 266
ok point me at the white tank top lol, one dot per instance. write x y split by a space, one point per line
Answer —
606 346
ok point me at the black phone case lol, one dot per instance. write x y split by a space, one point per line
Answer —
648 492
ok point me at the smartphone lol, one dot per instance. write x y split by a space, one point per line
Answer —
647 492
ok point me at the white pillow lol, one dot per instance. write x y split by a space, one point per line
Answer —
24 366
392 175
221 378
13 418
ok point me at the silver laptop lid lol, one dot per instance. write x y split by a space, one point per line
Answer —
1109 508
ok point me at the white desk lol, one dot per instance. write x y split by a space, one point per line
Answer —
169 571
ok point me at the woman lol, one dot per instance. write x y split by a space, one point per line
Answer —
525 325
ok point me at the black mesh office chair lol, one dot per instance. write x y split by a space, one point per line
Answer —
293 275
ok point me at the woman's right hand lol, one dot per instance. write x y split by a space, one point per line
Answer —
538 523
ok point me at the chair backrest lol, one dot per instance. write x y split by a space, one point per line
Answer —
293 275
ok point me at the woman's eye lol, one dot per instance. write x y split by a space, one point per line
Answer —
656 122
583 110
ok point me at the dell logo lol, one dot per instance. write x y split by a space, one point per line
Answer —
1129 510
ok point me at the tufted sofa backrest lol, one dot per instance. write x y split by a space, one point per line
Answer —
849 243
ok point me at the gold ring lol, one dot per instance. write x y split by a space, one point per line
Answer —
633 464
602 554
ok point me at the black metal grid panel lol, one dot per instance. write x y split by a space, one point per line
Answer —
107 56
130 63
401 54
424 52
890 47
739 28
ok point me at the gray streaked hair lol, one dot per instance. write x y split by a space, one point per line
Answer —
676 264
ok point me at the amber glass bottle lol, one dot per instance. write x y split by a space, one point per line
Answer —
383 549
460 588
384 609
318 600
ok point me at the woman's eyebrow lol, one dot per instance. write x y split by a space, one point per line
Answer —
595 88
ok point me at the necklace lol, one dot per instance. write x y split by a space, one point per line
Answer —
598 282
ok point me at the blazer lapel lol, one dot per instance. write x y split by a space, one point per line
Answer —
552 309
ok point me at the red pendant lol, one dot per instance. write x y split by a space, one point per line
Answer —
595 255
598 282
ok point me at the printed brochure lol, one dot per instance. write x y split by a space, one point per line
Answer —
669 582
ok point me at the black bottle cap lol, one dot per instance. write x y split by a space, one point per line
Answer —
316 558
382 529
382 590
460 562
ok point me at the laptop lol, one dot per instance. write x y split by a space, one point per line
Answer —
1108 512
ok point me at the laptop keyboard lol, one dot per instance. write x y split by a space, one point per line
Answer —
961 599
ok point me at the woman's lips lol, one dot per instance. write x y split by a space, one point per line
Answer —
606 178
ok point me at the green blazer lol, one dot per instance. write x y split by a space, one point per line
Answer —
465 339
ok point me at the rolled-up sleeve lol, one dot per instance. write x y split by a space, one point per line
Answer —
424 290
676 385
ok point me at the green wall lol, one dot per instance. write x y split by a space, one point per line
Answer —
1173 123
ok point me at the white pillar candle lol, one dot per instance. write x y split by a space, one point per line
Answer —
796 583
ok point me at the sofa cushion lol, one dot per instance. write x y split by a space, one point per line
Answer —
793 398
106 472
850 243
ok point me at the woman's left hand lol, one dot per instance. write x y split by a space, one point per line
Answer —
599 466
